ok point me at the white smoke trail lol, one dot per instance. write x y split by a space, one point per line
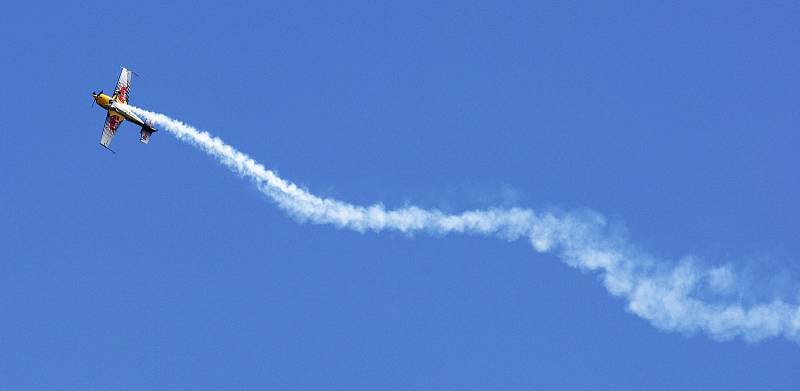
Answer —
682 297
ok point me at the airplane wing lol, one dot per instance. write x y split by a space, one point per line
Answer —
123 84
112 123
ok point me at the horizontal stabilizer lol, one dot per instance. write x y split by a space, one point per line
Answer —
145 134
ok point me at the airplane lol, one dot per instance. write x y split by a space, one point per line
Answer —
118 111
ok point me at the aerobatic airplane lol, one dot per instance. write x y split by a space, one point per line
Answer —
118 111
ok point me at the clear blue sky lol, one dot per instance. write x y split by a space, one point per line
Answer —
156 268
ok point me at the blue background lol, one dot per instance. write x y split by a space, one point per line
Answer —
156 268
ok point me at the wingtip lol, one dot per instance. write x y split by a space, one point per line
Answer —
130 70
112 151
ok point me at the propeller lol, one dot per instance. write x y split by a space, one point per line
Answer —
94 94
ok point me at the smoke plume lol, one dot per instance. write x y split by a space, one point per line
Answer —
681 296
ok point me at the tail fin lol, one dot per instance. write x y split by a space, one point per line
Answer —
146 131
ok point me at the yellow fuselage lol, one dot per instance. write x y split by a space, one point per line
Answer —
103 101
117 108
